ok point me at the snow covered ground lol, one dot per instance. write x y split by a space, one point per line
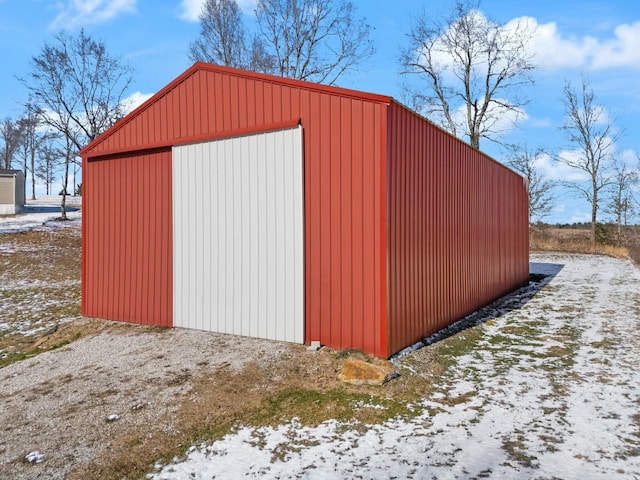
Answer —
42 213
549 389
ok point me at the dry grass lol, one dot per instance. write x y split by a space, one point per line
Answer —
51 256
633 244
37 268
547 238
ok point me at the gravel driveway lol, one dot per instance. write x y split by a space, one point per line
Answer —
70 404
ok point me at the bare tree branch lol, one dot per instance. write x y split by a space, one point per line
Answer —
313 40
222 39
541 197
621 202
472 68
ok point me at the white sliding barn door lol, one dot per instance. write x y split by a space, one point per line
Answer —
238 252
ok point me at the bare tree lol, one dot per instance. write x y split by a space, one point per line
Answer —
592 135
69 152
30 145
313 40
78 89
621 203
48 160
259 59
540 190
10 138
470 71
222 35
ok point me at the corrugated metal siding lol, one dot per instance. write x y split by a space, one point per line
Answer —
457 229
343 221
126 238
7 190
344 152
238 236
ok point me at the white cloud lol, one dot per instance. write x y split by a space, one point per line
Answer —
498 120
555 50
542 122
558 171
630 159
621 51
83 12
136 99
248 7
580 217
191 8
552 50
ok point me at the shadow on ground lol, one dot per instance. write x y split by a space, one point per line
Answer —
539 275
47 209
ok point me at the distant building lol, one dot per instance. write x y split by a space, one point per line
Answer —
11 192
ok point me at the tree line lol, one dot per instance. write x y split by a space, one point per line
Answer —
465 72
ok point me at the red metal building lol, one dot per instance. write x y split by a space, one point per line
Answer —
244 203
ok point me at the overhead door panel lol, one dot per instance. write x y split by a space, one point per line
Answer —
238 235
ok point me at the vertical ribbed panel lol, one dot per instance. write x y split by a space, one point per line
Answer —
238 236
126 239
457 229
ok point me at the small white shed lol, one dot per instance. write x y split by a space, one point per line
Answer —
11 192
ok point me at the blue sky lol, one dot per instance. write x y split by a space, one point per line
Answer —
598 39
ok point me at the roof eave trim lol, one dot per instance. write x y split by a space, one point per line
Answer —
240 132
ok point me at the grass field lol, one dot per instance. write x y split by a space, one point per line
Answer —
550 238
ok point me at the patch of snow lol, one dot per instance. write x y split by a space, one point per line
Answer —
42 214
361 404
34 457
